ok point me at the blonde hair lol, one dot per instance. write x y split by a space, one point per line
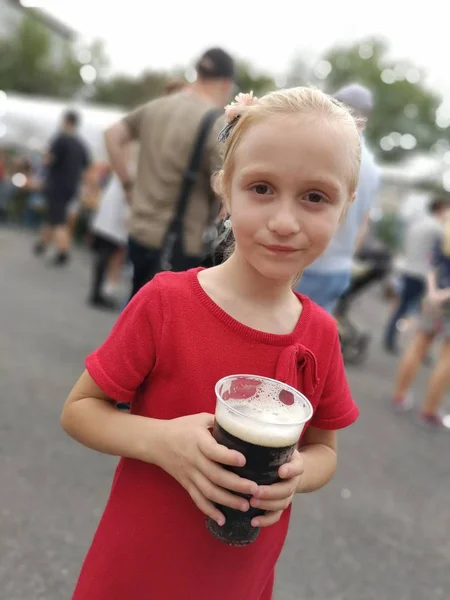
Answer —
294 101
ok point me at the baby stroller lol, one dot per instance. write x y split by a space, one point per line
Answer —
370 265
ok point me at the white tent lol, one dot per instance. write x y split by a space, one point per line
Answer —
419 168
29 122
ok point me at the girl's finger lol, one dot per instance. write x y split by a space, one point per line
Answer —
272 505
269 519
225 479
277 491
293 468
217 494
205 506
218 453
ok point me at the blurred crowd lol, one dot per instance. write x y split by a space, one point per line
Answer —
152 207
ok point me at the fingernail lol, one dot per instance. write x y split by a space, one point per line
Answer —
221 522
244 507
255 523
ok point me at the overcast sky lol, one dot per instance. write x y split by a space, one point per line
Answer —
269 34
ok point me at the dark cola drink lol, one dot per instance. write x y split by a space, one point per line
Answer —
262 419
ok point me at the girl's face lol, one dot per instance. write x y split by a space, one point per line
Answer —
289 188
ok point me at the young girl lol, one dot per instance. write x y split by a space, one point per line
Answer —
290 170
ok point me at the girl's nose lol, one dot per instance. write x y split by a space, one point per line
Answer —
283 221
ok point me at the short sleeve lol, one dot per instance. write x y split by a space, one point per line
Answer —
128 355
336 408
134 121
57 148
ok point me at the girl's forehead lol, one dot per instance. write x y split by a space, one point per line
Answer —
298 142
285 131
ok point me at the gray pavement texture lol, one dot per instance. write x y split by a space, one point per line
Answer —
379 531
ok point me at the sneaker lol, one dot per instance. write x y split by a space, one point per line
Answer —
435 422
390 348
402 403
103 303
39 248
60 260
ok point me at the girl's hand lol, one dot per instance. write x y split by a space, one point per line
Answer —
190 454
277 497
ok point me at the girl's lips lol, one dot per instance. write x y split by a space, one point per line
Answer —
279 248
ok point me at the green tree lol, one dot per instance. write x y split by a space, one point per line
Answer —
129 92
25 57
28 63
250 80
403 105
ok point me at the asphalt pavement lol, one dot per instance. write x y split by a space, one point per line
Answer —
379 531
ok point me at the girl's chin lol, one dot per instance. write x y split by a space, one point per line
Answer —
276 274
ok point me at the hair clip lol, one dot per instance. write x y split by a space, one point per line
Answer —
225 132
233 113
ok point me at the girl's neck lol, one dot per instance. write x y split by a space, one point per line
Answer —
241 278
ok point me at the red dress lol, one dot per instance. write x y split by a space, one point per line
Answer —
165 354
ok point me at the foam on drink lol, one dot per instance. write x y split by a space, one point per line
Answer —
263 419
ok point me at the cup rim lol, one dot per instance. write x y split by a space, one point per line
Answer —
308 405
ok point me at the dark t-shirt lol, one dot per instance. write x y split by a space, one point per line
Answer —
69 159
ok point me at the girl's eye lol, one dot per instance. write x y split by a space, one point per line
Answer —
315 197
261 189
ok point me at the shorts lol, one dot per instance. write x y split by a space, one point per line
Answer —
57 204
434 321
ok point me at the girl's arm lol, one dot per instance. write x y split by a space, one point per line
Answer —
183 447
91 418
319 453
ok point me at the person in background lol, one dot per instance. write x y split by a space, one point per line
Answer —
6 187
421 237
329 276
435 319
66 160
174 85
22 190
35 208
167 129
110 234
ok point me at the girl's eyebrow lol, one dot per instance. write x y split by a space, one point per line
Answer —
265 171
330 184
